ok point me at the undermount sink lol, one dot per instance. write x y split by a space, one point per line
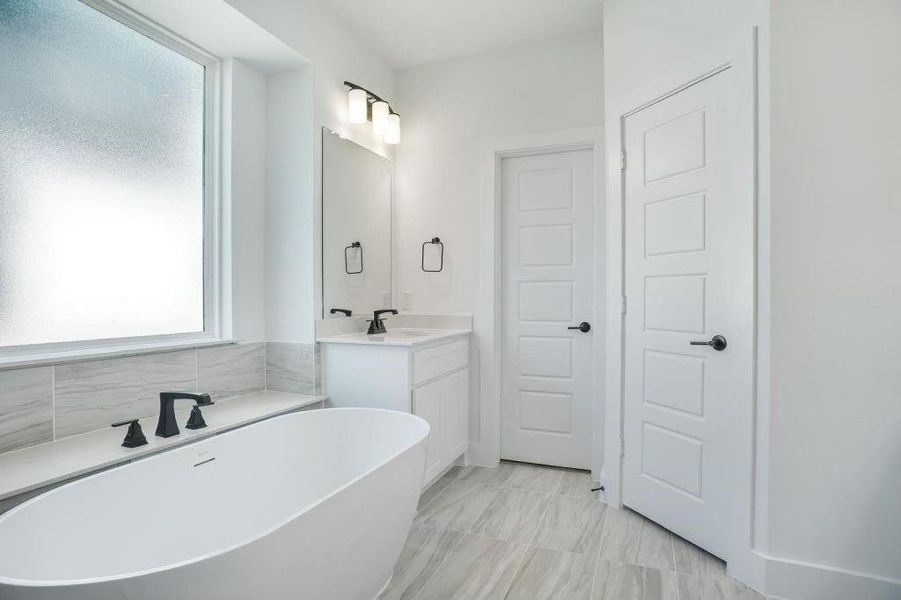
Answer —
409 332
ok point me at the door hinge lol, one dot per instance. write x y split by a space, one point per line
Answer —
622 305
622 160
622 447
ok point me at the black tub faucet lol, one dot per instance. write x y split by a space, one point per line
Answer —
166 426
377 326
345 311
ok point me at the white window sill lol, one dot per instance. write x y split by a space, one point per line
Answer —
82 354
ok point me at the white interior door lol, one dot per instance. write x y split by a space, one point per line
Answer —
689 211
548 265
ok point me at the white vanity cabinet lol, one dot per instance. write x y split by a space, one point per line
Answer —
443 403
428 377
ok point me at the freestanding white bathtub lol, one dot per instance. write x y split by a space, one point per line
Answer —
306 505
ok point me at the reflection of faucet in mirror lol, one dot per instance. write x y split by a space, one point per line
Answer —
347 312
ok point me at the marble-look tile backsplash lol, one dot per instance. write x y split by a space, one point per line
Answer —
292 367
26 407
226 371
41 404
89 395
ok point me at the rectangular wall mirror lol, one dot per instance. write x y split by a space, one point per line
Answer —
356 227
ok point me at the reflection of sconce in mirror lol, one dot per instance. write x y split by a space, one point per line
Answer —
439 248
350 250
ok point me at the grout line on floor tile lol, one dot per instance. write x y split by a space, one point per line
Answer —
425 583
672 545
427 504
528 545
531 543
597 562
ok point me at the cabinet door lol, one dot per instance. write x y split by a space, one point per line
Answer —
455 397
427 404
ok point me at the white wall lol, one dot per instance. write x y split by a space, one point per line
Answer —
644 38
244 116
835 432
291 228
448 109
335 54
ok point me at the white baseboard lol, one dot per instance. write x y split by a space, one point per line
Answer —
749 567
481 455
798 580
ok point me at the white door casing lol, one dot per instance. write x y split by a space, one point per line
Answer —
547 271
689 269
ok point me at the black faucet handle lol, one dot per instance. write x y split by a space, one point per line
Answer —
196 420
134 437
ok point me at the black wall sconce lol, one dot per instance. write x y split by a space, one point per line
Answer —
440 245
349 250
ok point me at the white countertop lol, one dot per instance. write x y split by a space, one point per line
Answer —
38 466
401 336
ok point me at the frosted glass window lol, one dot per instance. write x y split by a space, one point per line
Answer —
101 179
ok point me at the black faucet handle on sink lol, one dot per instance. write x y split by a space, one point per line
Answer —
376 326
134 437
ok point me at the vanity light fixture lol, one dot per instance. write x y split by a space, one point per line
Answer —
357 105
380 117
363 105
392 132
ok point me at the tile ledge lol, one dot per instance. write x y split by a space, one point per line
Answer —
81 355
35 467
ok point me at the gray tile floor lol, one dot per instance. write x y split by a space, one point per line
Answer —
525 532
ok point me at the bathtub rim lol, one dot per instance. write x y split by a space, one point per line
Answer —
42 583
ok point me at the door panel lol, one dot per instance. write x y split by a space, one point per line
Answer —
548 264
455 397
689 225
427 404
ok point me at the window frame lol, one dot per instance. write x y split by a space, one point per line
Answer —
216 328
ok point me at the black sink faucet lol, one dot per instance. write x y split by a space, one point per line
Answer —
376 325
166 426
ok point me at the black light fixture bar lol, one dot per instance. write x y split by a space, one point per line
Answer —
372 97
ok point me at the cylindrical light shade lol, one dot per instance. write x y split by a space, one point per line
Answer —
392 132
379 117
356 105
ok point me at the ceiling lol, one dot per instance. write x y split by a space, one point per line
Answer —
406 33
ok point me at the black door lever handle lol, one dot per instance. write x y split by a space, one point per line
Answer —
584 327
717 342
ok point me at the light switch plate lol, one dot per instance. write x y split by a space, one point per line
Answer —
407 300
